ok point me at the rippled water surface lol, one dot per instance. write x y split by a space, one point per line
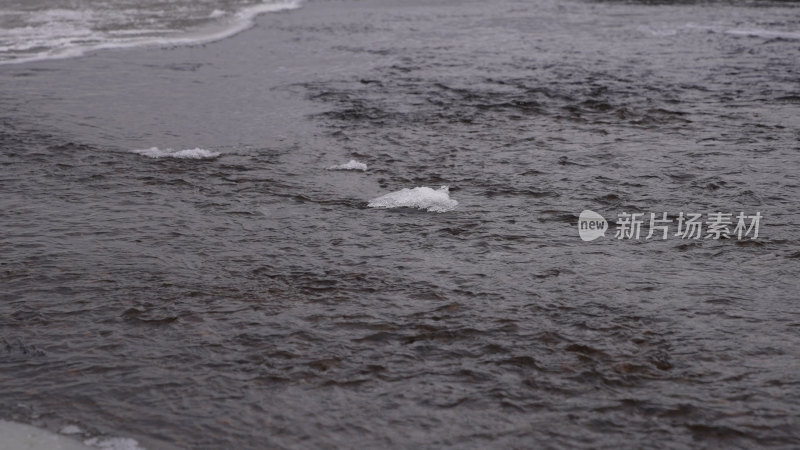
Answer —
179 266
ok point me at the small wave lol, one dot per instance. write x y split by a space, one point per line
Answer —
192 153
659 32
746 32
350 165
61 33
765 33
434 200
70 429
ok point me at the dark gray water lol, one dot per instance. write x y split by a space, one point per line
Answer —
253 300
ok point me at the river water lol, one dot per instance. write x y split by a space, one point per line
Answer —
180 266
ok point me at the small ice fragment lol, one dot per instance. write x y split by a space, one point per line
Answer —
350 165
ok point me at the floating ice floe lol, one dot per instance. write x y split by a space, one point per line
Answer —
350 165
192 153
434 200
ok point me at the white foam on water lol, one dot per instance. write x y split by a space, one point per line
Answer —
350 165
217 13
434 200
70 429
192 153
61 33
143 31
113 443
